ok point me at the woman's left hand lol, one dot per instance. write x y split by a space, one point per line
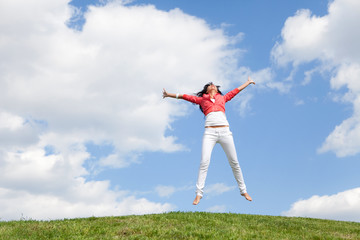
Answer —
250 81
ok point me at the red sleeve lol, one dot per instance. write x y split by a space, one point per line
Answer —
231 94
192 98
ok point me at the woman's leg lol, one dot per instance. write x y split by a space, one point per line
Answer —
208 143
227 143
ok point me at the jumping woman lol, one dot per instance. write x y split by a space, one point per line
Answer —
212 104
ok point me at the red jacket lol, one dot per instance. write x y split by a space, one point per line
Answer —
207 105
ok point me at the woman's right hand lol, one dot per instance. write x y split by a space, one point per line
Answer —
165 94
171 95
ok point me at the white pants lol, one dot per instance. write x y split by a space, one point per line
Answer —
221 135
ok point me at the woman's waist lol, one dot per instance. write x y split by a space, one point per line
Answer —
217 126
216 119
217 131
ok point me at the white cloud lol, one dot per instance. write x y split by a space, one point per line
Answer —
299 102
16 131
60 87
244 101
218 189
217 209
341 206
108 78
302 34
165 191
345 138
40 186
308 75
332 41
22 204
11 122
264 81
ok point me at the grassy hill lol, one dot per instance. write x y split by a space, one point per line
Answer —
182 225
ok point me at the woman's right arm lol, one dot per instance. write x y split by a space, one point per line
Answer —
172 95
190 98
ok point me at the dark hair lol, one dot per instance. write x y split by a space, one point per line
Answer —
204 90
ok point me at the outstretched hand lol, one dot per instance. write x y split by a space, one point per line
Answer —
165 94
250 81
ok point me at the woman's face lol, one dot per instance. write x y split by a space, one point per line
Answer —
211 87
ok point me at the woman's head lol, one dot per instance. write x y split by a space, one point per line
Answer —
207 88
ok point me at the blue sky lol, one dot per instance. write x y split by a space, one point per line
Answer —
84 130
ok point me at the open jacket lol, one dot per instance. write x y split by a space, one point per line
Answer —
207 105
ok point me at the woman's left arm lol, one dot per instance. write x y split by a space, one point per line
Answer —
248 82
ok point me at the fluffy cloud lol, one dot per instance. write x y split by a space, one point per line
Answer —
165 191
264 80
217 209
107 79
345 139
342 206
16 131
218 189
38 185
332 40
61 88
302 35
23 204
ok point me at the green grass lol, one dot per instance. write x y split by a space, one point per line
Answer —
182 225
